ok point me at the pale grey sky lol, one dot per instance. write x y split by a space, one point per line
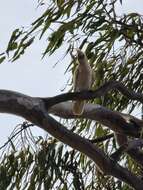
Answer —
30 74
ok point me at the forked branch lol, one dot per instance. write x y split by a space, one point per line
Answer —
34 110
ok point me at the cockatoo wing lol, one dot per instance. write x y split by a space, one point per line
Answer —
75 80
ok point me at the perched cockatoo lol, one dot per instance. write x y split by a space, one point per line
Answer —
82 80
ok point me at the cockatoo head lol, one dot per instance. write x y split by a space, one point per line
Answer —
80 54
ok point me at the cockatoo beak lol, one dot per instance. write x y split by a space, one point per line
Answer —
73 55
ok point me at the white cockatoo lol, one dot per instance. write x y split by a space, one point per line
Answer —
82 80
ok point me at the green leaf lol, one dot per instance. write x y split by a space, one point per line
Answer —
2 59
12 42
12 46
60 3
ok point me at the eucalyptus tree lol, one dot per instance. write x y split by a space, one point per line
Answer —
105 142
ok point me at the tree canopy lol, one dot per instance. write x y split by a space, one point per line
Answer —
93 160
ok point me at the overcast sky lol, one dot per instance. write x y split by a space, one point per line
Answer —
30 74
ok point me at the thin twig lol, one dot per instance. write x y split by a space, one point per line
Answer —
24 126
101 139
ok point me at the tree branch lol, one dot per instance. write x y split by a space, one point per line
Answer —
101 91
33 109
116 121
105 164
132 149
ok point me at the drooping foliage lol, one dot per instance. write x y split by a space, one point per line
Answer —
114 46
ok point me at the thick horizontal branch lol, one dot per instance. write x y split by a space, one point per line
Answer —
86 95
33 109
116 121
